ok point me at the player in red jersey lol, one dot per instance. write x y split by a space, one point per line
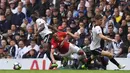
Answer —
65 48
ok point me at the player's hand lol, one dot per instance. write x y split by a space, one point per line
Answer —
54 61
35 35
53 66
113 40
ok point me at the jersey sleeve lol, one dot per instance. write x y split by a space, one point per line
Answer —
63 34
98 30
53 44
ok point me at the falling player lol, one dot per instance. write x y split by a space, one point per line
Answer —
60 43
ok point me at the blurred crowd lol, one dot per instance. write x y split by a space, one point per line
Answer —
18 25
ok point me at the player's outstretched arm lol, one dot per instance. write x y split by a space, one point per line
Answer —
54 65
106 38
71 34
52 56
53 28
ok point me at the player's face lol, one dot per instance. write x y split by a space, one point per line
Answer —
99 22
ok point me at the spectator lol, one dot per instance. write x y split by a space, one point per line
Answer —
122 35
13 29
81 3
110 31
126 45
64 19
128 55
120 7
5 46
27 6
13 49
22 49
69 16
2 55
128 30
29 35
4 24
117 47
31 54
33 45
43 6
17 38
9 36
48 16
124 27
97 11
12 7
74 26
18 17
128 20
3 1
23 8
8 15
32 7
82 35
22 34
117 16
81 16
127 7
42 53
56 14
3 6
86 46
25 24
62 11
55 22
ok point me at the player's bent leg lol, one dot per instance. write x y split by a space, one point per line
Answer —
110 56
81 52
76 49
106 53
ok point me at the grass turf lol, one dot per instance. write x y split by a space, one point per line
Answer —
64 71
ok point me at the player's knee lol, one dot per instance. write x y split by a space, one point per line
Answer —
110 55
80 52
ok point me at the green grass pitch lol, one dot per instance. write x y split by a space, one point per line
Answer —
64 71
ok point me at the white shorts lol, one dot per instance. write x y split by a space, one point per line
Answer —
72 49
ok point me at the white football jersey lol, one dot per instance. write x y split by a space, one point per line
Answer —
95 38
46 30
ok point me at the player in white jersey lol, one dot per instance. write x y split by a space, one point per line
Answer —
43 30
46 35
96 39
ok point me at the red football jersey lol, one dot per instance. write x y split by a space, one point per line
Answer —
57 44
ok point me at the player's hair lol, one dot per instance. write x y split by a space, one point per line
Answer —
97 17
